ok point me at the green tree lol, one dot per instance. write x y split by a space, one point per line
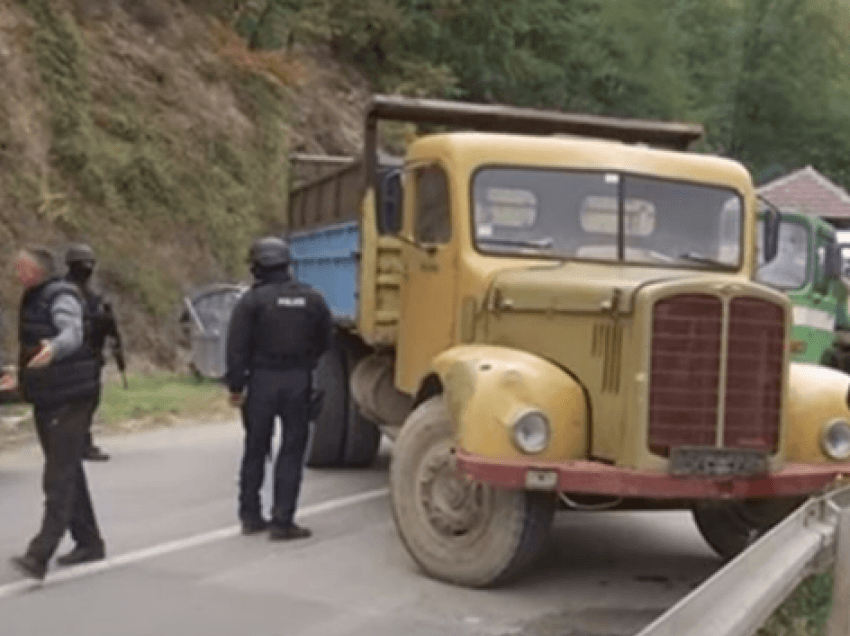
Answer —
768 78
792 80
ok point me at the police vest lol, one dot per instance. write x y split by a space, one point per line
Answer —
74 377
284 326
96 322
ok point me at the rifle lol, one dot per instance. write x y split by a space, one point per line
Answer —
115 345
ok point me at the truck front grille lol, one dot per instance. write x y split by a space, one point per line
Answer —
754 375
685 376
685 372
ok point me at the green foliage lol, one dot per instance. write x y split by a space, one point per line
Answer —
61 62
768 78
805 613
164 191
791 69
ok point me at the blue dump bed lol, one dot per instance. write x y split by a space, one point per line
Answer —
327 258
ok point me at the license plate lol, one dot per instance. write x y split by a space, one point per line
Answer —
717 462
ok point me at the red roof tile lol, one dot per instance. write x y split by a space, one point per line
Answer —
809 192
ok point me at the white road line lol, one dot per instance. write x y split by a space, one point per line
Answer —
169 547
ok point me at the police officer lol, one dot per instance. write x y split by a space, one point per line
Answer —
59 375
278 330
101 323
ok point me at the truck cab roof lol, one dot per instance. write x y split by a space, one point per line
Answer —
473 149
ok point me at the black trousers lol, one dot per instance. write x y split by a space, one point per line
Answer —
89 443
283 394
67 504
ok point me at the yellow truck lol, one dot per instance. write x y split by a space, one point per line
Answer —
549 310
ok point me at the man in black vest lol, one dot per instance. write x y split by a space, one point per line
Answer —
102 324
59 376
278 331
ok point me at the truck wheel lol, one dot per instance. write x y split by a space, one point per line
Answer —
328 434
729 527
362 437
457 530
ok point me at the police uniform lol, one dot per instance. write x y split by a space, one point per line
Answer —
100 324
278 331
62 394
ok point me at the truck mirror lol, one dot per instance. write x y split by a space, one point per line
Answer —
389 203
833 261
770 239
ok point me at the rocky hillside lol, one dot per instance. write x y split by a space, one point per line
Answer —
150 130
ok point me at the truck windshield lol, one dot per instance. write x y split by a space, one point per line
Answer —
790 269
606 216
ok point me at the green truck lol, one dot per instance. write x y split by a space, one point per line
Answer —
808 269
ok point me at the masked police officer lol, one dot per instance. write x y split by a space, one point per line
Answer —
59 376
101 323
278 331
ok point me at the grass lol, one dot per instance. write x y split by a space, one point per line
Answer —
160 398
152 400
805 612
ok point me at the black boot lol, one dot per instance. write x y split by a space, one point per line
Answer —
83 554
288 532
29 566
254 525
94 454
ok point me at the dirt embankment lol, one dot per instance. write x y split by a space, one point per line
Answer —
150 130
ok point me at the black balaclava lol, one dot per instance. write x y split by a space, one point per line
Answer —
81 272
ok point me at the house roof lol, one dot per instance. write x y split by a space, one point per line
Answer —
808 191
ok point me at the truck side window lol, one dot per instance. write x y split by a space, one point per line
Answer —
433 222
389 221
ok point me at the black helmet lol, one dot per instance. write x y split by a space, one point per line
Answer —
80 253
269 251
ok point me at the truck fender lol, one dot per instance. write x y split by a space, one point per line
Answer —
817 397
488 388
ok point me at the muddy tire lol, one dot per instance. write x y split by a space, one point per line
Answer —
456 530
362 437
729 527
328 430
341 436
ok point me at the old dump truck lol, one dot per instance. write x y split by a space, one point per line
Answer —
546 310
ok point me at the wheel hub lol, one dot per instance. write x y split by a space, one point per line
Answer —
452 504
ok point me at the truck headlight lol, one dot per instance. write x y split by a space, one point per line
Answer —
531 432
835 439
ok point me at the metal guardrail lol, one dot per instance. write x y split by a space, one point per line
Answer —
739 598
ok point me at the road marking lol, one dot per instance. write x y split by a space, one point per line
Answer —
170 547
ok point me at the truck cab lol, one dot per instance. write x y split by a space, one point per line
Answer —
550 310
807 267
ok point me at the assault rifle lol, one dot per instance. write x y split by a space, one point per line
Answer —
115 345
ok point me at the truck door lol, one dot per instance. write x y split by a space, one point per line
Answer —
427 324
822 314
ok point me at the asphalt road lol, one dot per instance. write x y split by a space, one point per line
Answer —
177 565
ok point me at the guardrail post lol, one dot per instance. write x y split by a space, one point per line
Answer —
839 617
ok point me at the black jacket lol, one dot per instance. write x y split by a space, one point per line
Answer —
277 324
100 321
73 377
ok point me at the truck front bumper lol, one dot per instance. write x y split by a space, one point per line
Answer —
596 478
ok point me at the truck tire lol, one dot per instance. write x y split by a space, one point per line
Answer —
457 530
729 527
362 437
328 431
